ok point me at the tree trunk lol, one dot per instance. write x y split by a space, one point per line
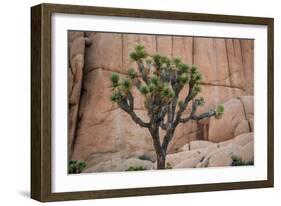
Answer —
160 153
161 159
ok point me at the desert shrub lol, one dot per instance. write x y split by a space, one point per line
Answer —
76 167
137 168
169 166
237 161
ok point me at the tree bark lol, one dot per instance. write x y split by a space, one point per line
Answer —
161 161
160 152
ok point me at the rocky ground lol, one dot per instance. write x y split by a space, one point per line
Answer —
196 154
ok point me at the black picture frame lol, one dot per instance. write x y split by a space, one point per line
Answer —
41 115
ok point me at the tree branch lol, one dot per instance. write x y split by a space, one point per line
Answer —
183 107
184 120
201 116
163 125
177 89
173 124
167 138
142 71
131 100
154 131
162 115
204 115
194 108
129 108
192 115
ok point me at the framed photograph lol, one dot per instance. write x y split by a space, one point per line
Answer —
132 102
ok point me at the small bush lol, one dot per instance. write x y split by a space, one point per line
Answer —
169 166
237 161
137 168
76 167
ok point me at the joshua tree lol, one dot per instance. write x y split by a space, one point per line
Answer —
160 80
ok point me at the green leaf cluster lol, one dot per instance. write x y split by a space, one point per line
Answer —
200 101
132 74
114 79
115 96
138 53
167 92
219 111
160 79
196 76
120 86
137 168
144 89
183 78
76 167
237 161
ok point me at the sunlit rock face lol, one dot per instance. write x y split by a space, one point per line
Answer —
99 130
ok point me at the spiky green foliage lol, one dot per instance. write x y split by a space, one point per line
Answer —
166 61
196 89
200 101
126 84
193 69
114 79
132 74
195 75
219 111
177 61
155 80
162 61
237 161
139 53
115 96
137 168
144 89
76 167
152 87
183 78
160 80
157 60
167 92
183 68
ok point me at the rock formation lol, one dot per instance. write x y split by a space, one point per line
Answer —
99 131
205 154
